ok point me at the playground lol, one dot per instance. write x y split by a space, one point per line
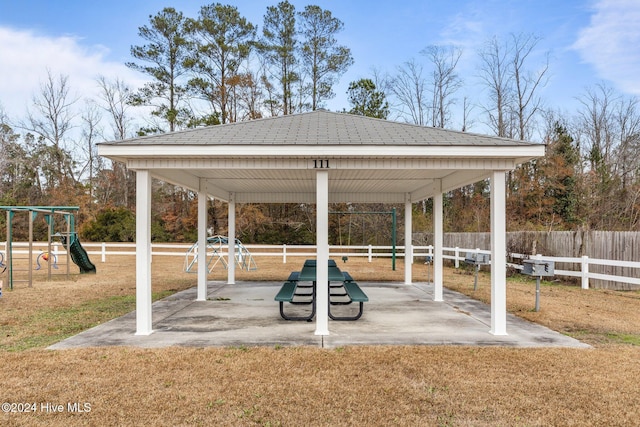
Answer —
346 385
19 261
216 255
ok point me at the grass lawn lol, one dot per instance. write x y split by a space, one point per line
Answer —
411 385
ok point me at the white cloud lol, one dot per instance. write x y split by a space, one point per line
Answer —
25 57
610 43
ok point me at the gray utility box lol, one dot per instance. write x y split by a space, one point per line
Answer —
536 267
477 258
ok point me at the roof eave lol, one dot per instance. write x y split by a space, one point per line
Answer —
119 152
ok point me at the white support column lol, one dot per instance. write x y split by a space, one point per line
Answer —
143 253
322 253
408 247
498 254
438 239
231 251
202 243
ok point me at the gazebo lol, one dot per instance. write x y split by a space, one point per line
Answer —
321 157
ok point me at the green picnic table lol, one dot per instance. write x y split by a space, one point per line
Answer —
308 273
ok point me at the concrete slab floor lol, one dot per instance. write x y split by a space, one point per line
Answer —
245 314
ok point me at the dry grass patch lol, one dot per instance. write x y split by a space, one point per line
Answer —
596 316
51 311
446 386
407 386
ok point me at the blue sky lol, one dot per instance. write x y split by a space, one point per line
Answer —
590 41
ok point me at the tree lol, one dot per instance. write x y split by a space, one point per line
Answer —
410 89
445 81
609 128
116 186
116 98
626 115
247 95
513 87
496 77
467 107
18 171
597 138
53 115
51 120
561 166
111 225
365 100
547 194
627 118
223 41
279 45
323 58
91 134
513 101
467 208
527 102
166 51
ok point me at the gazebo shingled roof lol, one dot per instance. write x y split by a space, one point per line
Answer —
321 127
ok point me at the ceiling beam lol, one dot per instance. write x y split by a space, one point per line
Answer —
462 178
432 188
191 182
310 197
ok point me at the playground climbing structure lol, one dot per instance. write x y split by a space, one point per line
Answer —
20 268
216 254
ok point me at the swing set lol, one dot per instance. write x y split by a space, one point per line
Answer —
13 263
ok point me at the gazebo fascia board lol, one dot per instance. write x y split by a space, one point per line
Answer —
321 158
364 162
520 152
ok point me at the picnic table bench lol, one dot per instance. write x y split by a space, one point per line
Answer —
287 293
355 294
297 279
347 276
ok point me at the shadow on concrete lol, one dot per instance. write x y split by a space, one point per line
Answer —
245 314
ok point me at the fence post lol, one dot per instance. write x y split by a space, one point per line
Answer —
456 255
284 253
585 272
104 252
370 252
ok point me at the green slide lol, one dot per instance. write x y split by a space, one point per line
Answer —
79 256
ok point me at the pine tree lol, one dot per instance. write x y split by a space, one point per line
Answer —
366 100
166 51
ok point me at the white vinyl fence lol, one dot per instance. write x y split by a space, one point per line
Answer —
579 266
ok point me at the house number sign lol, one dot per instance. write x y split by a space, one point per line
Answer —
321 164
